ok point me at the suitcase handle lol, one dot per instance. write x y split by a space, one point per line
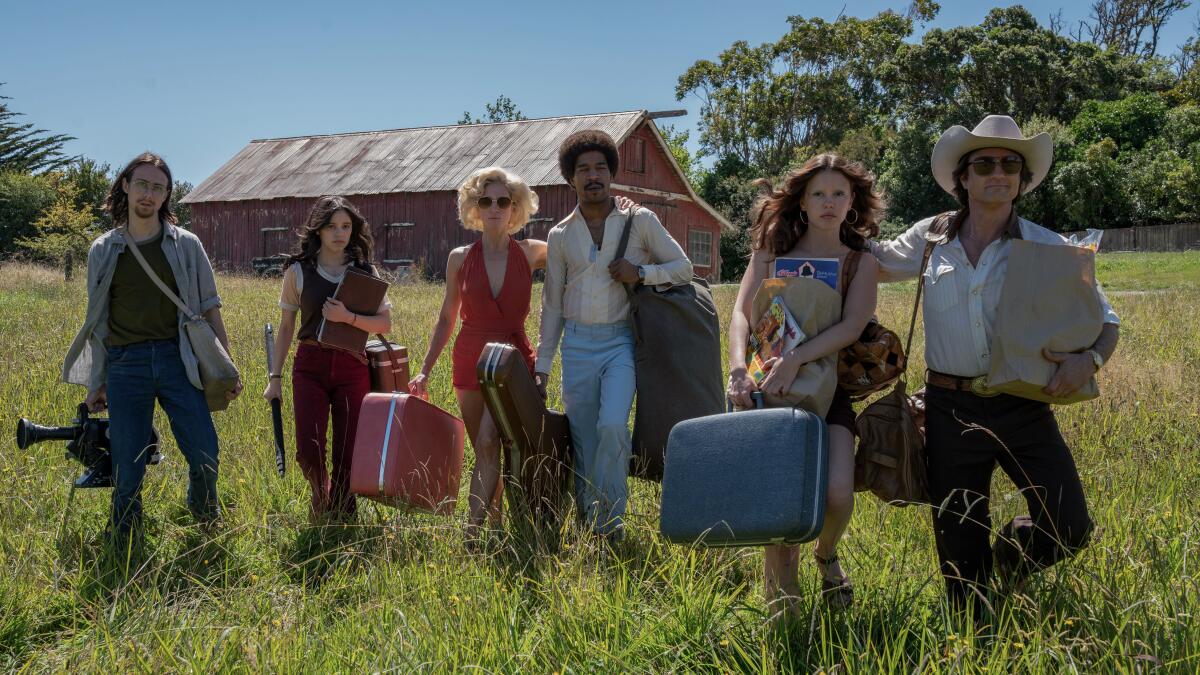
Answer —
755 396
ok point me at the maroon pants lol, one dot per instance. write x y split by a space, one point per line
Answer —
325 383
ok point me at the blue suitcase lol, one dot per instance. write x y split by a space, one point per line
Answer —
746 478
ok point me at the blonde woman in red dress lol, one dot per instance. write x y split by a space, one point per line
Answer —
488 284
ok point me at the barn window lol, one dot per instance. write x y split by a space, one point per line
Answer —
700 247
636 158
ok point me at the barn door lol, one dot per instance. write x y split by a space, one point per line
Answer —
275 240
398 245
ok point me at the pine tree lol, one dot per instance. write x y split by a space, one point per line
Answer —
25 149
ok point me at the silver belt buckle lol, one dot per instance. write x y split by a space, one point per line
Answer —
979 387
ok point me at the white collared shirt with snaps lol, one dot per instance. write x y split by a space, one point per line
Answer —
961 299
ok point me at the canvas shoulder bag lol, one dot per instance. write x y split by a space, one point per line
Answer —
677 362
218 375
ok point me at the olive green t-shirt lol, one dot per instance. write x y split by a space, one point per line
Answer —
138 311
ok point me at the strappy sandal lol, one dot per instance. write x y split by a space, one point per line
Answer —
837 593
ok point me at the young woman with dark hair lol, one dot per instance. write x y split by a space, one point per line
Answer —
826 209
326 382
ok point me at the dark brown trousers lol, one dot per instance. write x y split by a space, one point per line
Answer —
966 437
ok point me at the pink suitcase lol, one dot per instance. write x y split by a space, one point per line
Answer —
407 452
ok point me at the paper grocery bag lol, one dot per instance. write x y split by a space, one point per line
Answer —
1049 299
815 306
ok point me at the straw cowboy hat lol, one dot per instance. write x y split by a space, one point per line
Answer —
995 131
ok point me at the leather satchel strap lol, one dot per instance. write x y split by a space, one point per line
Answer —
622 245
849 270
387 346
153 276
912 322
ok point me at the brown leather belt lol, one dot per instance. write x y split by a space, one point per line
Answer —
972 385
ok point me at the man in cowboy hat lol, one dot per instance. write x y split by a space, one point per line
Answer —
987 170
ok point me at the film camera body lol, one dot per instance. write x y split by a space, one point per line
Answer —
88 443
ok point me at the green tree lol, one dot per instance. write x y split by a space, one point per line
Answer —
1187 63
502 110
182 211
677 144
1094 190
64 229
1012 65
1164 176
23 198
1131 27
1131 121
94 181
729 188
817 81
26 149
905 177
1045 205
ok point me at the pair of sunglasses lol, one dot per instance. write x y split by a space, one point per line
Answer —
486 202
985 166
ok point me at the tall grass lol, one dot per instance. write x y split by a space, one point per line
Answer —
399 591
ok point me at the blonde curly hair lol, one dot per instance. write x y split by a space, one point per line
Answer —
524 200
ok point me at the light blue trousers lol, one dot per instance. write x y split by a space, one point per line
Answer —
598 388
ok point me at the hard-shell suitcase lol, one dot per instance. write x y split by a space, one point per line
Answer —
388 364
407 451
537 440
746 478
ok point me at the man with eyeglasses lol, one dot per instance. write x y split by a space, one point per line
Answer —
132 348
987 170
584 304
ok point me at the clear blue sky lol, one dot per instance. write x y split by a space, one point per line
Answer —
197 81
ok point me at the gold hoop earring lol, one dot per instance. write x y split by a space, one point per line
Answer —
802 218
851 222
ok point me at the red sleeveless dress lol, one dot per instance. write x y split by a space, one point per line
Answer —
486 319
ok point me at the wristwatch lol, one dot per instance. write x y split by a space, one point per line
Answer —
641 273
1097 359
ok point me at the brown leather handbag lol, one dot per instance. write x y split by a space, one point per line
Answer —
890 461
876 358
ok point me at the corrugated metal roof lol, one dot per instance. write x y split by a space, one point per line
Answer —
422 159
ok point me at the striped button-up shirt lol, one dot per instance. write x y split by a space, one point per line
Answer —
960 299
578 285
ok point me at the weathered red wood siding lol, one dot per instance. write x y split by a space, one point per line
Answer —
422 227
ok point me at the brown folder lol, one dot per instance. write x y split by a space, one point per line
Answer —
362 294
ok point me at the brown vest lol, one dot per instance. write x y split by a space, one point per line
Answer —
314 291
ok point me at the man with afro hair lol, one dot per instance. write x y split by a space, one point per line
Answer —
584 304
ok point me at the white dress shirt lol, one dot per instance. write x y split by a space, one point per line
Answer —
960 299
578 285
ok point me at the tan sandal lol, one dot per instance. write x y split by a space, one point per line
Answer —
838 593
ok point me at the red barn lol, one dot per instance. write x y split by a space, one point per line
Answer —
405 181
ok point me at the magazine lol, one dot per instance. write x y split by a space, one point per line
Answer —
821 269
774 334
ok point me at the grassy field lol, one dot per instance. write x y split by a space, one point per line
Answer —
398 592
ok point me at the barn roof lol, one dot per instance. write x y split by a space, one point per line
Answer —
423 159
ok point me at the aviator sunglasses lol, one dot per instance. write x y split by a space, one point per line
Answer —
985 166
486 202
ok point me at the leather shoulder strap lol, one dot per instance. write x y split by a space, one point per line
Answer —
925 255
849 270
624 243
